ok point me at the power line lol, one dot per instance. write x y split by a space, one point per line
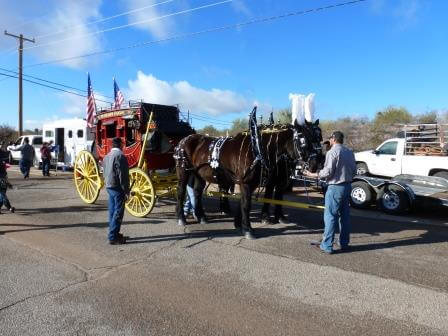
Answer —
206 119
201 32
133 24
51 82
196 116
55 88
210 119
107 18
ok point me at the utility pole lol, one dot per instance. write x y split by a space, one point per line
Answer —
21 39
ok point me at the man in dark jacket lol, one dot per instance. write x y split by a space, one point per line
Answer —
45 155
116 176
26 161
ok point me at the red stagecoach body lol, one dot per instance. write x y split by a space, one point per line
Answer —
130 124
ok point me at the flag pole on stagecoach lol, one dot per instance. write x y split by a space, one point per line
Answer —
91 105
91 108
118 96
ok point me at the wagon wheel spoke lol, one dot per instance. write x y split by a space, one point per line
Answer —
87 178
141 202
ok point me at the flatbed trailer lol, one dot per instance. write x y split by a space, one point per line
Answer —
399 194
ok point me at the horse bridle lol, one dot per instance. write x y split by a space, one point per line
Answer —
300 144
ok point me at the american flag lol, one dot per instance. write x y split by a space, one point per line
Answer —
91 106
118 96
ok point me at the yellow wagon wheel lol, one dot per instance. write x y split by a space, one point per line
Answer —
143 196
87 177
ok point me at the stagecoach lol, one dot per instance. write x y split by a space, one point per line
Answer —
149 133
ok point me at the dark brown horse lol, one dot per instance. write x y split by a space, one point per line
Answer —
237 165
311 158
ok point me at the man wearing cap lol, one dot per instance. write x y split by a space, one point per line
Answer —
116 176
339 170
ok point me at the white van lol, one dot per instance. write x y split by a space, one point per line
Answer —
69 136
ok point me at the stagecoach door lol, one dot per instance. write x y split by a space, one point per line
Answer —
60 144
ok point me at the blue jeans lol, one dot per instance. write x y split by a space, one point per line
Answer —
4 200
46 167
116 211
337 213
190 202
25 166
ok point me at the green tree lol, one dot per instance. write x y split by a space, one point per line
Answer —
283 116
210 130
426 118
239 125
7 134
387 122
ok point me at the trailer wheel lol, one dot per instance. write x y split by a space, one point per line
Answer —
361 169
443 174
393 200
361 195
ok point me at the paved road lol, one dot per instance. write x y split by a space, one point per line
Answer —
58 276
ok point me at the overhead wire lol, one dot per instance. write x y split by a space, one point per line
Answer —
105 19
55 88
201 32
51 82
196 116
131 24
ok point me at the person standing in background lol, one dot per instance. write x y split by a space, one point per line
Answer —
26 161
45 155
116 178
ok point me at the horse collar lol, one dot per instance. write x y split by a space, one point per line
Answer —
215 151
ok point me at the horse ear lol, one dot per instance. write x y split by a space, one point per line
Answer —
316 123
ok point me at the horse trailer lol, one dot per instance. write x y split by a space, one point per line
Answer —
69 136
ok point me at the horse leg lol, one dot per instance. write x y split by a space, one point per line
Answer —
238 218
199 185
265 216
183 176
224 205
280 190
279 217
246 194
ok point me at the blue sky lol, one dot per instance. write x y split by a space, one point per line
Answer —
357 59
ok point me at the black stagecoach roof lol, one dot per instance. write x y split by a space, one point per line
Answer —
166 117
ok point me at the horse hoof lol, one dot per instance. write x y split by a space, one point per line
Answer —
203 220
181 222
267 221
249 235
283 220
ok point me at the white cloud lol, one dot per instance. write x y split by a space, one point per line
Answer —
75 106
67 18
406 11
158 28
213 102
240 7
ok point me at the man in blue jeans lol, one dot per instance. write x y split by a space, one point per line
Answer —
116 176
339 170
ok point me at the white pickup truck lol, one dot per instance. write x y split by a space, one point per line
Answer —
394 157
14 152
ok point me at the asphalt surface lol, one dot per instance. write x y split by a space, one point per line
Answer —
58 275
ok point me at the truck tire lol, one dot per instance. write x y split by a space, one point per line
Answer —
443 174
361 169
393 200
361 195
